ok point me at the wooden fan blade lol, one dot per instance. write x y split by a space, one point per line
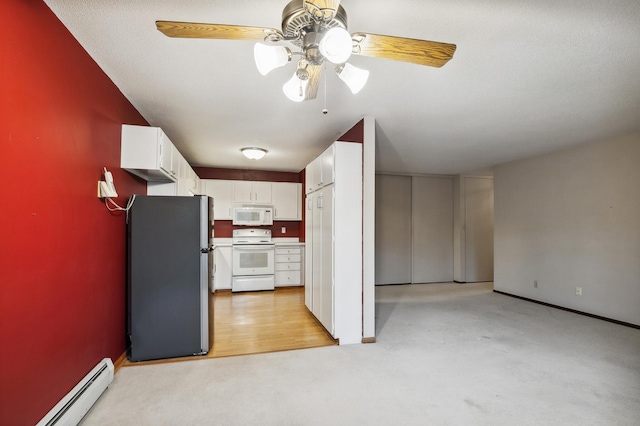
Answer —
216 31
314 81
421 52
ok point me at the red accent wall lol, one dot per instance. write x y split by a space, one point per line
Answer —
241 174
224 228
62 255
355 134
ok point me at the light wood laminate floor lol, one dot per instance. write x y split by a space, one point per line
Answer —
259 322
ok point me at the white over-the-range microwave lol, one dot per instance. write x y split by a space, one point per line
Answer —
250 215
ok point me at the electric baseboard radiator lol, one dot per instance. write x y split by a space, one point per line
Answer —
72 408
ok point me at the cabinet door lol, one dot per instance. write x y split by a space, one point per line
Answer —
242 191
222 193
326 211
184 181
166 153
143 152
308 253
222 279
287 200
316 252
262 192
327 166
313 174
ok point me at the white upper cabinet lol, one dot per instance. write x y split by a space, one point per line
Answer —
188 180
222 193
147 152
327 166
320 172
287 200
286 197
251 192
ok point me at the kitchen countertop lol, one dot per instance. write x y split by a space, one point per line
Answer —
228 242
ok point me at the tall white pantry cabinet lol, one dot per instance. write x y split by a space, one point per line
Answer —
333 248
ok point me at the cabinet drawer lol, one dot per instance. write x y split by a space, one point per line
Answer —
293 266
283 258
285 278
288 250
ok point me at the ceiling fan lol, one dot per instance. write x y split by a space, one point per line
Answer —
319 29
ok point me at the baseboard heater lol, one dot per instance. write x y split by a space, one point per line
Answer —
72 408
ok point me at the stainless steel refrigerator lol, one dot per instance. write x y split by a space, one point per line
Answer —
169 258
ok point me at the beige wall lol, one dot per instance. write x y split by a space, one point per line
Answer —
572 218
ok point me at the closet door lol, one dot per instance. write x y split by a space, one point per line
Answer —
432 208
479 229
393 230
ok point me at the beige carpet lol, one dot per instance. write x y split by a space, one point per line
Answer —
447 354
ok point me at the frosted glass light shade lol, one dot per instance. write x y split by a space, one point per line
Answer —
269 58
254 153
353 77
336 45
295 89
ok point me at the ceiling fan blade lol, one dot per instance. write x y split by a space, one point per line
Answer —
322 10
216 31
314 81
421 52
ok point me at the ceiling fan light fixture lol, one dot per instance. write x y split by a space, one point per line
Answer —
269 58
336 45
355 78
295 89
253 153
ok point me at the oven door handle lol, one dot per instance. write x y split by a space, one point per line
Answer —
261 248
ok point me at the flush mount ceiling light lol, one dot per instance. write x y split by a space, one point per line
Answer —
253 153
319 29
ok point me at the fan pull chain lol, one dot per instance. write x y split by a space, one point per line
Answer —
324 71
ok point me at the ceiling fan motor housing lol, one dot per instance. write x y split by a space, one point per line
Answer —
311 41
297 23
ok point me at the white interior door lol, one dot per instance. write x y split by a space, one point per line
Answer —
432 217
479 229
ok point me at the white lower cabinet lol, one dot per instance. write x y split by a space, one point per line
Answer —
333 247
288 265
222 271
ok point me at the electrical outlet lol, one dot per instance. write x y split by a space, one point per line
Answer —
284 230
535 283
578 291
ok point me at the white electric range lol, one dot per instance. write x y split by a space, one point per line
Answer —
253 260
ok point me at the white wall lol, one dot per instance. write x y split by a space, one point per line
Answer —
572 218
368 229
393 230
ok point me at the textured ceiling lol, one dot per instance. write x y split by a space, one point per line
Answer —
528 77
